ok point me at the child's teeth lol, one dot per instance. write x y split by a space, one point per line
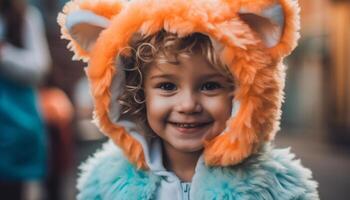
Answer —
187 125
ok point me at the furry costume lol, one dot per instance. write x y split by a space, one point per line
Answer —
268 175
250 37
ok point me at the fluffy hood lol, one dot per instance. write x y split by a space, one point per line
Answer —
250 36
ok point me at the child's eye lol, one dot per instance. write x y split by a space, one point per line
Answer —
167 86
211 86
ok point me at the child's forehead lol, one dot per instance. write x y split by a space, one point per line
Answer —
169 52
185 63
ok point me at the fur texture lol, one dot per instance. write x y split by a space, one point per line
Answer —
267 175
258 69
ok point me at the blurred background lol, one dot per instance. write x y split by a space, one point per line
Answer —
315 121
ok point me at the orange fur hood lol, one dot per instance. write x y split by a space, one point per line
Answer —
251 37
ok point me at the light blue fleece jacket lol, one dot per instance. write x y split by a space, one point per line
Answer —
271 174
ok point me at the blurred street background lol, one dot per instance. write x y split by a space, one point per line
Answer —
316 112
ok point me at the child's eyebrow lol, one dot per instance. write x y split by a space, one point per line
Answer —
165 76
209 76
172 76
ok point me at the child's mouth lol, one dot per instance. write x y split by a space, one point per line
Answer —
189 127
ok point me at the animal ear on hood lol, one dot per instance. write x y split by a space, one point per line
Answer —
84 27
268 24
276 23
83 21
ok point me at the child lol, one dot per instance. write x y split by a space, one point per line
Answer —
190 92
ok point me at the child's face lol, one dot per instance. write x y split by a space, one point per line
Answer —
187 103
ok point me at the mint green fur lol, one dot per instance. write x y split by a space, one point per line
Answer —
272 174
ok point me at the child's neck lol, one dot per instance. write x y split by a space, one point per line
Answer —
183 164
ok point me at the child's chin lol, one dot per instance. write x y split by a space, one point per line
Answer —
190 148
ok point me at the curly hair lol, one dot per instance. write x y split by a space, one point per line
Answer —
161 47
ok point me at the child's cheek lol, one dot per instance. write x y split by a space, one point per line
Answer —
219 107
157 107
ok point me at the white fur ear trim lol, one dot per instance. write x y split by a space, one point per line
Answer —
269 24
117 88
235 108
85 27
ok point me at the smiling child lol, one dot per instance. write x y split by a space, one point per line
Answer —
184 109
190 94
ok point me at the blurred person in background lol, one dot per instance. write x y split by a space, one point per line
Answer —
24 61
57 112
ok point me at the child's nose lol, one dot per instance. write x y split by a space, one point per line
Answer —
188 103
